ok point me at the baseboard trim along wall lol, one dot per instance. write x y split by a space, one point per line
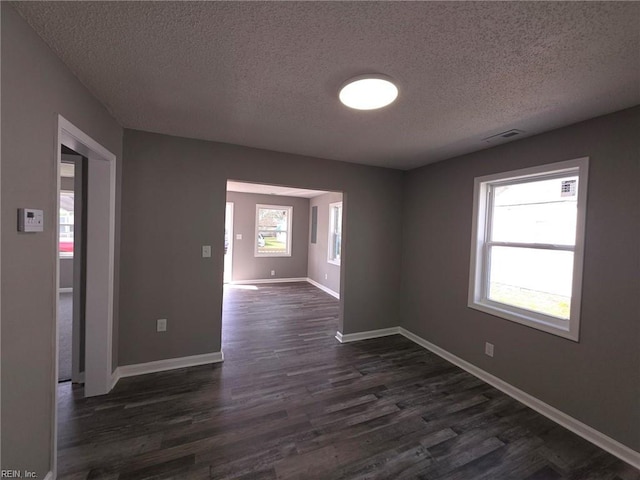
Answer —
323 288
164 365
287 280
268 280
576 426
356 337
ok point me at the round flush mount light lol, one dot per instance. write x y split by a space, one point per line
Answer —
368 92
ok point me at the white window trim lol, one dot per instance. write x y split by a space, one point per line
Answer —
477 277
289 232
330 229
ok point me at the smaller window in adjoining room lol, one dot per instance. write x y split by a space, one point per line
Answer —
273 230
335 233
65 237
527 246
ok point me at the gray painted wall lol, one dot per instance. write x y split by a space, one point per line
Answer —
184 180
246 266
66 273
35 87
318 265
596 380
66 183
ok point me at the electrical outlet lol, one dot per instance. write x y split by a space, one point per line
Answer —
238 236
488 349
161 325
273 272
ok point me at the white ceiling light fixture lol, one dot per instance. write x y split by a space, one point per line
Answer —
368 92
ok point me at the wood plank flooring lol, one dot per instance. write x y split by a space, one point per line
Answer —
290 402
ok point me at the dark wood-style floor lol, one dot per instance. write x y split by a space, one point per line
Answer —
290 402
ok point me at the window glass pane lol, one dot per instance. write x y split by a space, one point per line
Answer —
544 211
532 279
272 242
273 231
335 246
337 219
335 232
336 242
65 239
272 219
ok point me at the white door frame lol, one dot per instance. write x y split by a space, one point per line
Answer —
100 240
228 260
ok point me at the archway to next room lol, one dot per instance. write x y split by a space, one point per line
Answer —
283 264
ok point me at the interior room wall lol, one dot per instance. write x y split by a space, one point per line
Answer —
318 252
66 273
36 86
595 380
246 266
174 192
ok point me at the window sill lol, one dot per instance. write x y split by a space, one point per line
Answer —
334 262
560 328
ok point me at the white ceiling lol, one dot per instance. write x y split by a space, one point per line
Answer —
272 190
266 74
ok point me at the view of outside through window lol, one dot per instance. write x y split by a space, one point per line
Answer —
273 230
335 232
66 224
531 240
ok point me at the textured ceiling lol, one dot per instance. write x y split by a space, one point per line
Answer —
266 74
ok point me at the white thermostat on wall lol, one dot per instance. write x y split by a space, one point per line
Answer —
30 220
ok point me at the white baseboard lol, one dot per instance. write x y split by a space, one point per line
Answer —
65 290
356 337
268 280
49 476
258 281
79 378
590 434
576 426
163 365
115 376
323 288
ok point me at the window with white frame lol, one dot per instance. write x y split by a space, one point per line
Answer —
335 232
527 246
65 235
273 230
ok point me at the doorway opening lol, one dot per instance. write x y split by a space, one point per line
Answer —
275 237
72 265
98 244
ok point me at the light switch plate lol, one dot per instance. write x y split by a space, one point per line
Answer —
206 251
